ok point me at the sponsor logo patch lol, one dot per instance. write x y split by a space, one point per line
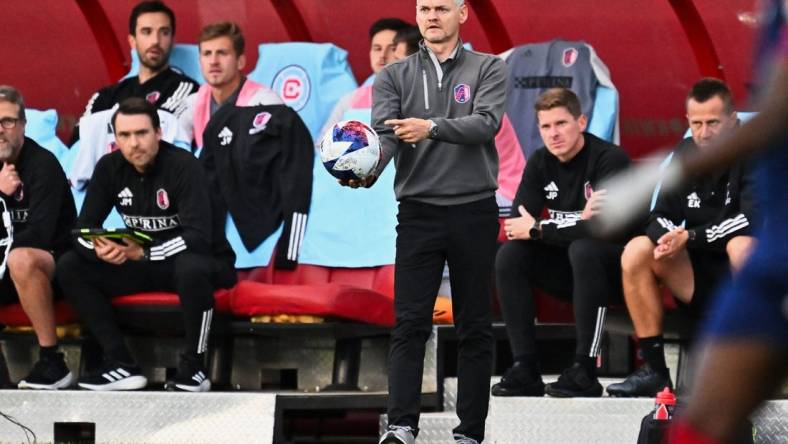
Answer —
462 93
293 86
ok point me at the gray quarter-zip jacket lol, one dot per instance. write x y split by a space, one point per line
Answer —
466 100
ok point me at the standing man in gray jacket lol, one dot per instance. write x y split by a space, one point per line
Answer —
437 113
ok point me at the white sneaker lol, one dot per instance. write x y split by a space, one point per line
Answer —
398 435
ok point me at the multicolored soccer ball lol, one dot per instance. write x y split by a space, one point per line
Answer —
350 150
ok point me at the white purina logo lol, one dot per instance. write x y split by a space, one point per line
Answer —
225 136
125 197
551 191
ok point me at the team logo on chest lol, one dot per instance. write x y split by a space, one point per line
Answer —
588 190
569 57
259 122
153 97
462 93
551 191
162 200
19 194
693 201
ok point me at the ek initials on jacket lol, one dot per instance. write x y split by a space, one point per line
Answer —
716 206
259 163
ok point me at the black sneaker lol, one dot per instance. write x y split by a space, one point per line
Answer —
644 382
191 376
517 381
113 375
574 382
48 374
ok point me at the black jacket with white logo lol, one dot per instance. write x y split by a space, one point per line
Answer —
42 209
562 189
167 91
259 161
716 207
170 202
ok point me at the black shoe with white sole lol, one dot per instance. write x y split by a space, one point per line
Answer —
49 373
113 375
191 377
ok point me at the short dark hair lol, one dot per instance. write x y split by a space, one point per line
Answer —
708 87
387 24
12 95
411 36
148 6
224 29
559 97
135 106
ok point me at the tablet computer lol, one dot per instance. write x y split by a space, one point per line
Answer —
115 234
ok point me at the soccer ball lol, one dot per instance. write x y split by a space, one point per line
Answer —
350 150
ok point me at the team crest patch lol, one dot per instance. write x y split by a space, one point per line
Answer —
153 97
569 57
293 86
162 199
588 190
19 194
462 93
259 122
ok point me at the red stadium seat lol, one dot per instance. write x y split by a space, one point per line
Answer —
357 294
166 299
14 316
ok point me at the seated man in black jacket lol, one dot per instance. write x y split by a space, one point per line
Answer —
41 212
160 190
694 237
552 254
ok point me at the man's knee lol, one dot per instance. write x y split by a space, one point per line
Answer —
739 249
69 266
583 251
638 255
515 257
190 267
26 262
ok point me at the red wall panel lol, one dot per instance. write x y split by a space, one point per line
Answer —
57 62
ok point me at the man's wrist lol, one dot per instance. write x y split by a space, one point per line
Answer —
432 131
535 233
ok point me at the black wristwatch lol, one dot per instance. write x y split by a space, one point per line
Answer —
691 235
433 130
536 231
